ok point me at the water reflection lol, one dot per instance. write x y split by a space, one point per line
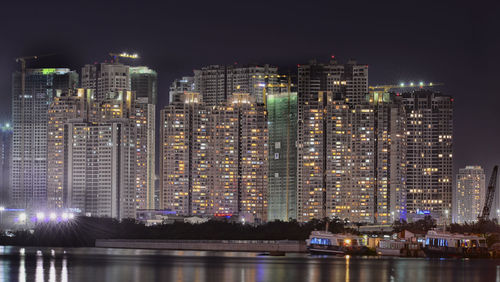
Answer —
153 265
22 269
39 268
33 266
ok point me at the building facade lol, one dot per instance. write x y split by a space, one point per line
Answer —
214 159
351 146
100 159
178 87
144 82
145 120
470 194
66 105
282 128
31 95
105 78
217 83
5 163
429 135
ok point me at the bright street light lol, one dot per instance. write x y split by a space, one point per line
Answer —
64 215
71 216
2 209
40 216
22 216
53 216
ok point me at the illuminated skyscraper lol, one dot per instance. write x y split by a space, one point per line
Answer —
70 104
144 117
29 140
429 122
144 82
214 159
217 83
178 137
470 194
350 146
241 159
323 93
101 159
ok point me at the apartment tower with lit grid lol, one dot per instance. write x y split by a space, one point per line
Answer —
350 146
429 122
470 194
214 159
30 113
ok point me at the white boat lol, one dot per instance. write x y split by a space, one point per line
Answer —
324 242
445 244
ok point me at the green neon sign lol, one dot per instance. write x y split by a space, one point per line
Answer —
48 71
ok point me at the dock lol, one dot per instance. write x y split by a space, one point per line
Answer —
271 246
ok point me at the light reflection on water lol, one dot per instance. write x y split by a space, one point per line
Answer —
91 264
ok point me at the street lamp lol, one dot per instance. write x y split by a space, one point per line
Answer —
22 217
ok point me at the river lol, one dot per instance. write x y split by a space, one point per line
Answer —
99 264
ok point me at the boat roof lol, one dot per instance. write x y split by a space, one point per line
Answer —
443 234
336 235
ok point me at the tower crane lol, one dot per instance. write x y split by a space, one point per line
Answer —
490 194
117 56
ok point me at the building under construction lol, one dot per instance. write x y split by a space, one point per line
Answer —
282 126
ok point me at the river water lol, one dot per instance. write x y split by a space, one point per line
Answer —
94 264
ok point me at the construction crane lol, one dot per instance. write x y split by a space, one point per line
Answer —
490 194
386 88
117 56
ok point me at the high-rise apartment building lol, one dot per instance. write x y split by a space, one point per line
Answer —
66 105
470 194
105 78
144 82
5 162
429 122
282 128
214 159
178 87
110 79
101 159
350 146
217 83
29 141
144 116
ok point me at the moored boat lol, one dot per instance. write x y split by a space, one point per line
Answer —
324 242
444 244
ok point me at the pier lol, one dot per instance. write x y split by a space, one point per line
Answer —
271 246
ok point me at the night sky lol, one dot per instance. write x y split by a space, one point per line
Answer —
456 44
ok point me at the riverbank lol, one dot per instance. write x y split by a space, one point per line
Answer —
270 246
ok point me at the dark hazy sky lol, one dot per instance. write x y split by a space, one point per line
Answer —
456 44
